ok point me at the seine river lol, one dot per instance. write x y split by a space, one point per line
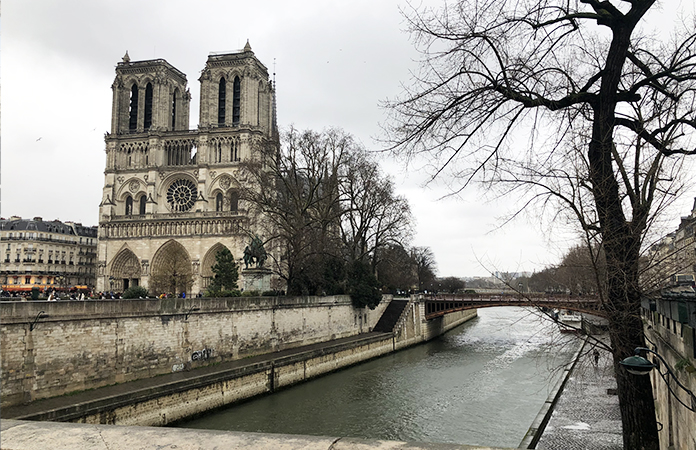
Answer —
480 384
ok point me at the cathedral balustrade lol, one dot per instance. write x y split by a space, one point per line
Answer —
179 215
191 227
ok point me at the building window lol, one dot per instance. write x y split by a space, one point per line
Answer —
181 195
129 205
27 280
218 202
148 106
234 201
217 148
143 201
222 94
133 114
234 150
175 100
236 100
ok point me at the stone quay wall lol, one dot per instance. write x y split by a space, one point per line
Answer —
413 328
54 348
672 336
168 404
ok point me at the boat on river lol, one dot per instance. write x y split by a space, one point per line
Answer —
569 321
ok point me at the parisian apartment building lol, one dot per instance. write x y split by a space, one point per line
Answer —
672 260
47 254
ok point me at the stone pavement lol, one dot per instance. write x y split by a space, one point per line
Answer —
586 416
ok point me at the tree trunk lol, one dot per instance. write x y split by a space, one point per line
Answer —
621 240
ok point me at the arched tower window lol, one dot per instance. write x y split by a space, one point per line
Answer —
129 205
175 100
222 93
218 202
143 200
234 150
236 100
133 113
148 106
234 201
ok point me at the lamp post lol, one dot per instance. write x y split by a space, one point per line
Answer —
638 365
40 315
188 313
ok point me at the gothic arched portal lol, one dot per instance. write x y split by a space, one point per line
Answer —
208 263
125 271
171 270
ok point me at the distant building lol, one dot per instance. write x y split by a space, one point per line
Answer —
47 255
171 197
672 260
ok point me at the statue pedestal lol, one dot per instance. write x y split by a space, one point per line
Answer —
256 280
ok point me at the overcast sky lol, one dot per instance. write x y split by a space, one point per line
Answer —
334 62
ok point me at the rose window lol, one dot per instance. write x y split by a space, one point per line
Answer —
181 195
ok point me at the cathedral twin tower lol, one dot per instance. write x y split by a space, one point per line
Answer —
171 195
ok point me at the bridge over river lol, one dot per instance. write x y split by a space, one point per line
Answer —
438 305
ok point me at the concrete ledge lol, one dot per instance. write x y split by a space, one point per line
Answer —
22 435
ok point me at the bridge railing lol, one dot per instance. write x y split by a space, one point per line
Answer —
439 304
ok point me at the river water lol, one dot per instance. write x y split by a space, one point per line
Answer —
480 384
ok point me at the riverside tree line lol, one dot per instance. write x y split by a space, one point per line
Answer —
331 218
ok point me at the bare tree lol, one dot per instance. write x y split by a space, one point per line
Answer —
294 189
582 271
568 102
326 205
396 270
172 277
424 260
373 216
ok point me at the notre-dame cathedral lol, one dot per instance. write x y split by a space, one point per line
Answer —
171 194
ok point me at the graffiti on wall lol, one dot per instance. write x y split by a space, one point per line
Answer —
201 355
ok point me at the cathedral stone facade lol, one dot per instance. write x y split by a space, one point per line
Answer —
171 195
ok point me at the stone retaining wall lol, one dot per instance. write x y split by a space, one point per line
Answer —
412 328
79 345
676 343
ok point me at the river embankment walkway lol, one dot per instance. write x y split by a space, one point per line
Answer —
586 413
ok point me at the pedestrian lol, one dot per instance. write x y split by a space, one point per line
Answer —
595 353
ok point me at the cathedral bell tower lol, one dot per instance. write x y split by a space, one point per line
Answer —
170 200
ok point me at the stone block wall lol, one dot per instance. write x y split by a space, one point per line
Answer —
78 345
413 328
674 341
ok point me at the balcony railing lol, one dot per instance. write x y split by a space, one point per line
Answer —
180 215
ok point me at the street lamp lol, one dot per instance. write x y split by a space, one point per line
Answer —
40 315
638 365
188 313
